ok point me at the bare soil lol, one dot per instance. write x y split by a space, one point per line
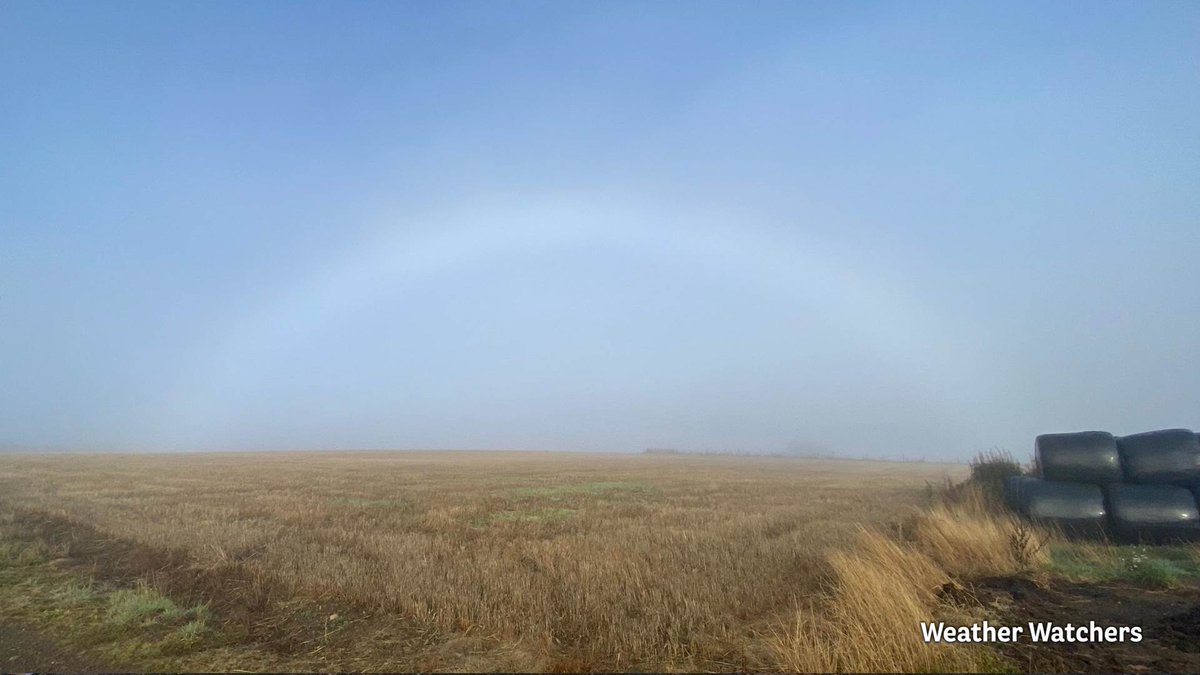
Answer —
1170 622
24 650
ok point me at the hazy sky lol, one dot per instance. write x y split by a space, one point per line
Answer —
912 229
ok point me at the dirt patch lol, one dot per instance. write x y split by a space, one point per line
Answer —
1183 630
26 650
1170 623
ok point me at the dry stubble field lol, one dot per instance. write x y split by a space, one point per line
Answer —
438 561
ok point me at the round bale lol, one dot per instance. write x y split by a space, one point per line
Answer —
1012 492
1153 513
1077 508
1080 457
1166 457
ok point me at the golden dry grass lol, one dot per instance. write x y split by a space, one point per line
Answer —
522 561
969 536
885 586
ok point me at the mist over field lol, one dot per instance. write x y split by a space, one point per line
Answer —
875 230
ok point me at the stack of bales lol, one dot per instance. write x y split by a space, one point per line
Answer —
1142 487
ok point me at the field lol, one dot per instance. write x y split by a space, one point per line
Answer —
438 561
457 561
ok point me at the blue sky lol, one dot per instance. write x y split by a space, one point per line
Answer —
874 229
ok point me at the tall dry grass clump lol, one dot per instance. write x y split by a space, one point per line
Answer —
883 589
971 536
991 468
870 621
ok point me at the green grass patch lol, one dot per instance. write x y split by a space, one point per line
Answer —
594 489
363 503
187 638
23 553
77 592
145 606
1157 574
539 515
1149 566
192 630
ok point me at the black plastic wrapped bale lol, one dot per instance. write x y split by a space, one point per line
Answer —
1170 456
1153 513
1081 457
1012 492
1077 508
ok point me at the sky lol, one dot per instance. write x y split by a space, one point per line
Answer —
866 229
